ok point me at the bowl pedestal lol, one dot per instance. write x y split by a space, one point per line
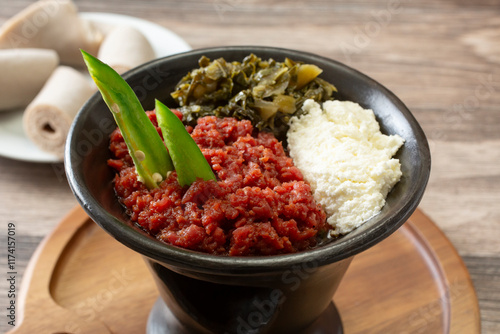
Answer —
297 299
162 321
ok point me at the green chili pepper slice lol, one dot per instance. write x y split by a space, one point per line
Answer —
189 162
149 154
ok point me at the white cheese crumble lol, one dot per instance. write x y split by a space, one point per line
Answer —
346 159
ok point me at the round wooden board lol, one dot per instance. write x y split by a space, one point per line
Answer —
412 282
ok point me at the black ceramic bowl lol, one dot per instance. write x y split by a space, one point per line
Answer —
275 294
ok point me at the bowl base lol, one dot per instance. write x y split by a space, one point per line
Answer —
162 321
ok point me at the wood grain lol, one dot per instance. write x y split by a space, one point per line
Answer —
35 294
440 57
412 282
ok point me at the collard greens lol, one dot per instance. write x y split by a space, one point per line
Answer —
267 92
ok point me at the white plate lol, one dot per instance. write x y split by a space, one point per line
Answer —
163 41
13 142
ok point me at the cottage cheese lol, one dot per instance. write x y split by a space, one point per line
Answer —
346 159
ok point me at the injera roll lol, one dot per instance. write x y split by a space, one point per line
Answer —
48 118
23 72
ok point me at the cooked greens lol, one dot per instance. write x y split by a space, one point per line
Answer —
266 92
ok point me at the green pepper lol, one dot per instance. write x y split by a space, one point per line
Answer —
189 162
149 154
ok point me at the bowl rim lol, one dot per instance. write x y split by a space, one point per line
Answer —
184 259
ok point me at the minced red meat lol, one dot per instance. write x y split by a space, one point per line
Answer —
259 205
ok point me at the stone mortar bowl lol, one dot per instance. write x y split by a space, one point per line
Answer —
267 294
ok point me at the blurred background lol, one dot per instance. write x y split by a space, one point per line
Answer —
440 57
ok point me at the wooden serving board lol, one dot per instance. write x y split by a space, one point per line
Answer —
81 280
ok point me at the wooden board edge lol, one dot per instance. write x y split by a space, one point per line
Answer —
461 291
66 228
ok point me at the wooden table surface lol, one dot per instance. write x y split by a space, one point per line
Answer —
440 57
